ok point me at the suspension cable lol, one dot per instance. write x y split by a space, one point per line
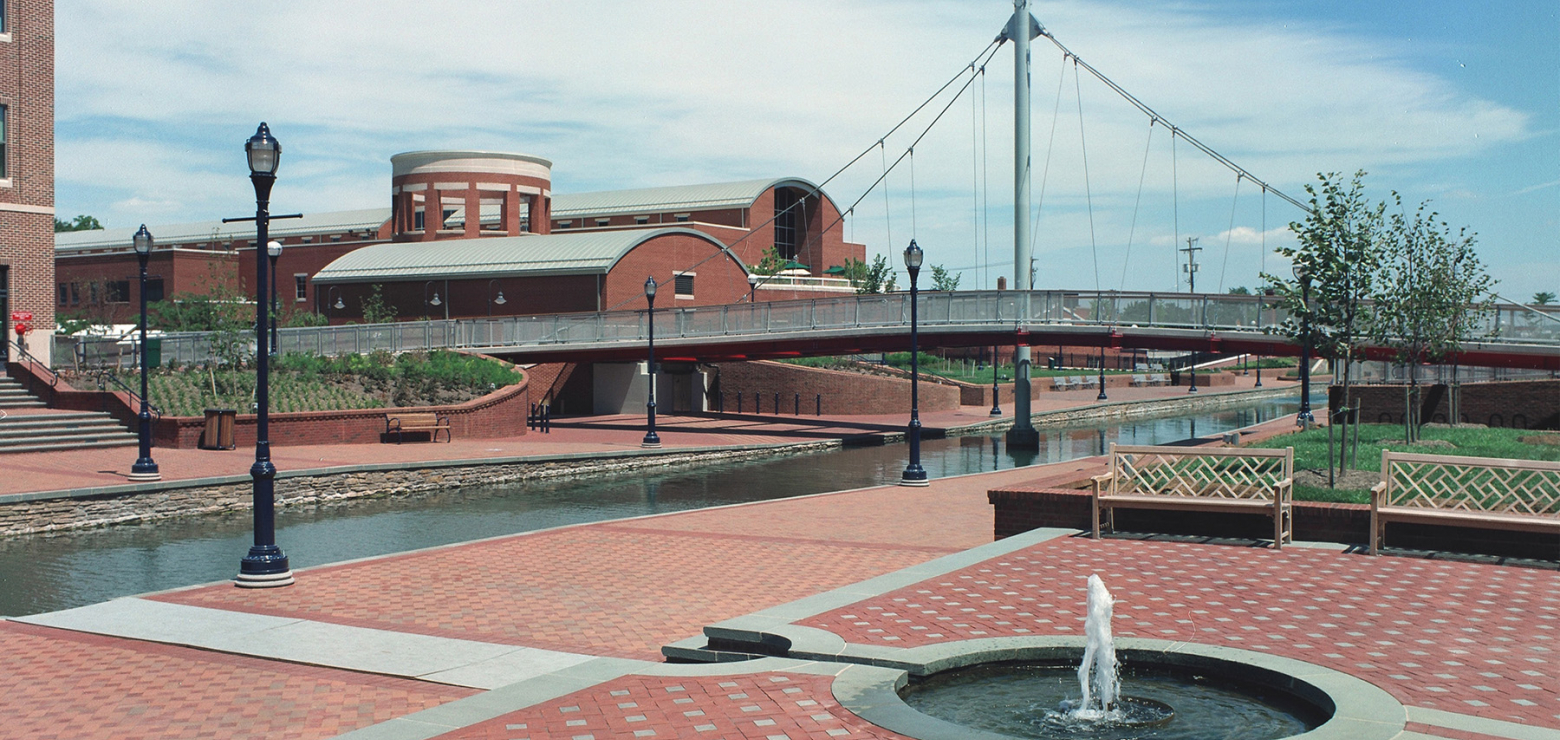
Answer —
1143 173
1229 234
912 195
985 182
1088 193
975 183
1056 112
1175 210
888 214
1151 113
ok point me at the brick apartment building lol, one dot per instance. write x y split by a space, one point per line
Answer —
526 251
27 169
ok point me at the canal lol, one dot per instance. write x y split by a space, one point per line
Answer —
47 573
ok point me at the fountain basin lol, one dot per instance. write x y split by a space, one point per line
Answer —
1331 705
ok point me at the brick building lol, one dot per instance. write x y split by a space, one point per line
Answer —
26 168
511 195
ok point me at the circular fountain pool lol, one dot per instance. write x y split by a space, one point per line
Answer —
1027 701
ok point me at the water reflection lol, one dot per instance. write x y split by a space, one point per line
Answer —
40 574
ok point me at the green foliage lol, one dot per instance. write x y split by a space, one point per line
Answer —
1543 298
79 223
771 263
944 280
1242 290
304 318
877 277
375 309
74 321
306 382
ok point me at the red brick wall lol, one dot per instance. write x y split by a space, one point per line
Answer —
1522 404
717 281
27 198
842 392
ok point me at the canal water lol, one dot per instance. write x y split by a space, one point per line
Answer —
47 573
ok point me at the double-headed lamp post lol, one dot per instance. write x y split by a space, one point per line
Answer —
914 474
651 440
144 469
1303 274
273 249
265 565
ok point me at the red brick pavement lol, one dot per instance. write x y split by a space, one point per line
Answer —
757 706
1467 638
59 685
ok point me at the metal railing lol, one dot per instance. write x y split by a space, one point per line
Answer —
23 355
1501 325
105 378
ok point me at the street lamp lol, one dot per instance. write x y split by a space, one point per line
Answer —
996 410
752 288
144 469
266 565
499 301
1303 274
914 474
651 440
1101 396
273 249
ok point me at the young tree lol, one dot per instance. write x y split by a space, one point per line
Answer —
771 263
79 223
375 309
1431 283
1543 298
944 280
877 277
1338 250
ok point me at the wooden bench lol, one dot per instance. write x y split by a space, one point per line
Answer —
400 423
1477 492
1248 481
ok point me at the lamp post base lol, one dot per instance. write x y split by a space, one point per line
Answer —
144 476
996 411
915 478
651 441
267 580
1027 438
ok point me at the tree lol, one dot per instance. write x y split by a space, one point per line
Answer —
375 309
1543 298
877 277
79 223
943 280
1430 282
1241 290
1339 249
771 263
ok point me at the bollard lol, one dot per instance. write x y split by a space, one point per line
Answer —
739 403
777 404
758 403
818 405
797 406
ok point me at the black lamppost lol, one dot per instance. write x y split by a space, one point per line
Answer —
914 474
996 410
1304 418
265 565
1193 389
144 469
273 249
1101 396
651 440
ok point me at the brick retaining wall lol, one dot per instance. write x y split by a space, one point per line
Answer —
843 393
1520 404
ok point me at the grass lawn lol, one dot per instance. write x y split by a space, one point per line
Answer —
1311 453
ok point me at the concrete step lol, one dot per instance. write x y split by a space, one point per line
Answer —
57 447
19 404
66 419
99 435
11 434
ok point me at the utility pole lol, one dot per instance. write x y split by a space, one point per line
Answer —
1190 268
1021 28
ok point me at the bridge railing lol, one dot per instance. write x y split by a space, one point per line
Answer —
1501 324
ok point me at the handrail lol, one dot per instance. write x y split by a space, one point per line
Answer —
54 377
104 375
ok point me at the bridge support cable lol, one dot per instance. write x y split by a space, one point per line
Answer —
1153 114
1045 172
1229 234
888 213
1088 193
1136 204
985 181
1175 210
975 183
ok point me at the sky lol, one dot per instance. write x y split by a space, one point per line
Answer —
1445 101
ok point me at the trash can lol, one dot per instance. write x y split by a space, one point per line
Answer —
218 434
154 351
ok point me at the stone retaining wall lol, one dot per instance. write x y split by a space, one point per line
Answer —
22 514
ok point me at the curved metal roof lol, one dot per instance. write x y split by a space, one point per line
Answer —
584 253
673 198
209 231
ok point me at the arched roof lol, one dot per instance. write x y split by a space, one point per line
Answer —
672 198
584 253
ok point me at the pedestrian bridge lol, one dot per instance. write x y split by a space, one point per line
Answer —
1507 335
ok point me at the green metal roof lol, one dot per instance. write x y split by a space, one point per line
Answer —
209 231
585 253
667 199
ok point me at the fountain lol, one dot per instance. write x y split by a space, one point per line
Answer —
1171 700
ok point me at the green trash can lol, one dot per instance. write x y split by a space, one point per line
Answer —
154 351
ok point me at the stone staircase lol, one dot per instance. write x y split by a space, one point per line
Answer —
26 426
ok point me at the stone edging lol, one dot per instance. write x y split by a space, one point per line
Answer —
59 511
1131 409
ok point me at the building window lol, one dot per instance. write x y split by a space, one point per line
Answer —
92 293
683 285
301 287
64 294
682 217
418 221
641 220
75 294
565 224
154 290
116 291
335 237
5 25
786 210
603 221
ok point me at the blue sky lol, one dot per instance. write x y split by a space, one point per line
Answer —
1453 102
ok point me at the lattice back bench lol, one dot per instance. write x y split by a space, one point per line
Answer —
1479 492
1220 479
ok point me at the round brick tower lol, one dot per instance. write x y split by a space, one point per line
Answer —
426 188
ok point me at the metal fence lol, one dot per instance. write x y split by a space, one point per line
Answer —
1507 324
